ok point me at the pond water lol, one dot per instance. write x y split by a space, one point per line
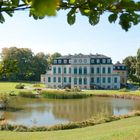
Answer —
40 112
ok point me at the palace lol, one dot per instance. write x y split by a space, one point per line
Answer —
85 72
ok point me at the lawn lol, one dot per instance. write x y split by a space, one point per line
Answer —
125 129
10 86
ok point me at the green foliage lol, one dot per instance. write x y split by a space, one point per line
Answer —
4 100
19 86
124 90
20 64
60 94
126 11
27 94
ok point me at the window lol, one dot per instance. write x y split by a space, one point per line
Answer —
69 70
104 80
85 70
59 79
75 70
54 79
80 81
75 60
65 70
103 61
103 69
49 79
80 70
109 80
54 70
59 70
65 80
65 61
98 61
92 79
98 79
69 79
92 61
115 79
109 70
69 61
98 70
92 70
59 61
85 81
108 61
75 80
55 61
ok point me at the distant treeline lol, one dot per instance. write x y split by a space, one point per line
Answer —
21 64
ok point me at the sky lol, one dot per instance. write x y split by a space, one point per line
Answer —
53 34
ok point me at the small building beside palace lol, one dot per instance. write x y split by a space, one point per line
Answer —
83 71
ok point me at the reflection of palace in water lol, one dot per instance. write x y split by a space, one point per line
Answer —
69 110
82 109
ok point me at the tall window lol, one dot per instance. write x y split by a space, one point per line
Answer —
69 79
92 70
115 79
75 70
54 79
85 81
80 81
75 80
92 80
109 70
98 70
65 80
54 70
98 79
69 70
59 70
103 69
104 80
49 79
85 70
109 80
59 79
65 70
80 70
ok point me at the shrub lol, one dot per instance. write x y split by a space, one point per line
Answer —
36 85
124 90
60 94
19 86
4 100
27 94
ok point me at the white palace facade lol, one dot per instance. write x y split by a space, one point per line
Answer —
83 71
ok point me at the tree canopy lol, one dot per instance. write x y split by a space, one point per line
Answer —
21 64
127 12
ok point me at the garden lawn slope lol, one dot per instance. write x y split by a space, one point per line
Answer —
125 129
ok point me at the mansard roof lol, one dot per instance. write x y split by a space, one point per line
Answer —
80 55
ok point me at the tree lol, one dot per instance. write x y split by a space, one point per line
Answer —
40 64
138 65
52 57
130 62
126 11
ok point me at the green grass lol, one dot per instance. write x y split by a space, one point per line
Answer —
125 129
10 86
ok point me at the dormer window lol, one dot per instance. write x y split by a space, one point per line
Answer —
65 61
59 61
55 61
98 61
104 61
108 61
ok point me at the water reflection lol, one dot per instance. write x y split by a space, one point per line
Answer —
49 112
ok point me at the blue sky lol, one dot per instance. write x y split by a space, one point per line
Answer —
53 34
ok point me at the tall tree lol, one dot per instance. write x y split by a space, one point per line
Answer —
40 64
138 65
126 11
130 62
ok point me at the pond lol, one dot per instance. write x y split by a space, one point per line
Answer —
40 112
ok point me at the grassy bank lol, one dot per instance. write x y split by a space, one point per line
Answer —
125 129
